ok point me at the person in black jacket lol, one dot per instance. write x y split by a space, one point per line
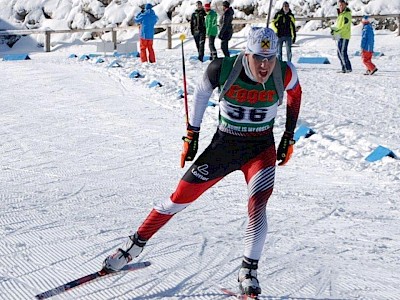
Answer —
226 30
198 28
284 23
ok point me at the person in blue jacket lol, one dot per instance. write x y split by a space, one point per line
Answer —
147 19
367 46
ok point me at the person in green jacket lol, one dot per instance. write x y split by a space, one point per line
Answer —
342 33
211 29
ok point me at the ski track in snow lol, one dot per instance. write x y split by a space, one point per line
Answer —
85 151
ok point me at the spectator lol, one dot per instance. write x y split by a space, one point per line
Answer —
367 46
211 29
198 28
284 25
342 32
147 19
226 30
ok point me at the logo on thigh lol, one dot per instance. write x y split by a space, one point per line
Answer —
201 172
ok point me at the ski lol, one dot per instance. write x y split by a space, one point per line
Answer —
88 278
239 296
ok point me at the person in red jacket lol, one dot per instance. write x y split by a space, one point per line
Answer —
244 141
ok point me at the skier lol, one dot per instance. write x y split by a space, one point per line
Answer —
342 32
367 46
252 86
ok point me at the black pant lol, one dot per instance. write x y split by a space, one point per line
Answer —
211 45
224 47
200 39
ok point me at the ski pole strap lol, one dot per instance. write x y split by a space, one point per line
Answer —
237 68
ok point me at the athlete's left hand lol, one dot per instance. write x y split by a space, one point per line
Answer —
285 148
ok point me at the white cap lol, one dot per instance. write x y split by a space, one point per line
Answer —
262 41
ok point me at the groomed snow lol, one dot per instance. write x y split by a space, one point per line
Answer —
85 151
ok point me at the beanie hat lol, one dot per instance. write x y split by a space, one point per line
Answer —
262 41
343 1
207 6
226 4
148 6
365 19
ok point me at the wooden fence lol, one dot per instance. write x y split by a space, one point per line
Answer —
168 28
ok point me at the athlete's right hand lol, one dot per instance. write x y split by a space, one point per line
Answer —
190 145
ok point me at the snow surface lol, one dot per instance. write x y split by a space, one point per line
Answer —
65 14
85 151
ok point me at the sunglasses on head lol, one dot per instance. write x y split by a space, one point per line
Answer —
261 58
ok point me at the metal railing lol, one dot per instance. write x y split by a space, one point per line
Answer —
167 27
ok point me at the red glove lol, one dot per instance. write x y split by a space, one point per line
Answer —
190 146
285 148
